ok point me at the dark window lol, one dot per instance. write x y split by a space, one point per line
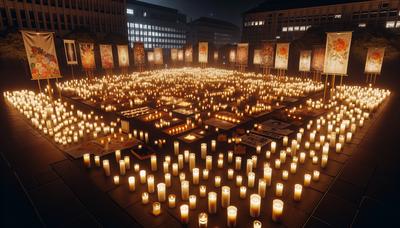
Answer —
23 18
41 20
62 22
32 18
4 17
55 22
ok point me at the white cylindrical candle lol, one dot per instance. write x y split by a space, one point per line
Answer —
175 170
192 202
97 160
131 183
279 189
213 145
285 140
239 180
249 166
217 181
143 177
153 162
231 216
302 157
145 198
212 202
315 175
161 192
156 208
165 167
230 174
257 224
116 180
293 167
86 160
150 184
220 163
176 147
243 191
273 147
338 147
127 162
277 210
238 163
307 180
255 205
209 162
180 161
324 160
106 167
171 201
203 191
205 174
185 190
203 147
192 161
184 210
230 157
203 220
195 175
262 187
251 179
282 156
117 155
297 192
167 179
122 169
225 196
268 175
285 175
277 163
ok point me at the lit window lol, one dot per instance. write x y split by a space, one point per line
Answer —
303 28
284 29
129 11
338 16
277 37
256 23
296 28
290 28
362 25
398 24
390 24
144 14
308 26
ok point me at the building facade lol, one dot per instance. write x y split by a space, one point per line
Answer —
155 26
289 20
213 31
64 16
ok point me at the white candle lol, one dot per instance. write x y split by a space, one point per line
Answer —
205 174
257 224
279 189
167 179
143 177
192 160
175 169
273 147
338 147
285 140
185 190
165 167
230 174
127 161
117 155
116 180
239 180
136 167
213 145
217 181
202 191
106 167
161 192
302 157
282 156
184 210
251 179
212 202
243 191
268 175
349 136
150 184
315 160
277 163
294 147
220 163
176 147
182 177
122 169
180 161
293 167
255 205
86 160
307 179
254 159
225 196
324 160
230 157
195 175
315 175
203 147
277 210
285 175
262 187
145 198
171 201
192 202
258 149
209 162
203 220
156 208
297 192
131 183
153 162
231 216
97 160
238 163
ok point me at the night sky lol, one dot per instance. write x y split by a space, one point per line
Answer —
227 10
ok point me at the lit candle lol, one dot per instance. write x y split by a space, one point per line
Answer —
153 162
230 174
257 224
268 175
239 180
230 157
117 155
171 201
156 208
277 210
258 149
180 161
349 135
192 161
161 194
324 160
205 174
315 175
202 191
106 167
195 175
315 160
184 209
249 166
225 196
213 145
277 163
238 163
220 163
285 140
262 187
209 162
145 198
302 157
176 147
203 220
297 192
251 179
285 175
279 189
217 181
122 169
185 190
282 156
131 183
192 202
294 147
231 216
182 176
127 161
293 167
203 147
338 147
212 202
136 167
273 147
97 160
150 184
307 179
116 180
143 177
86 160
175 169
255 205
243 191
167 179
165 167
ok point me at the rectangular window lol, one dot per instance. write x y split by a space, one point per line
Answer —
390 24
362 25
129 11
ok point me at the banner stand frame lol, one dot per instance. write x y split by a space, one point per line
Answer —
40 87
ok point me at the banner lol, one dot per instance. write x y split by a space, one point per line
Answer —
242 53
203 52
189 54
107 61
41 54
138 53
305 61
374 61
337 53
318 58
267 54
70 52
282 56
232 56
123 55
150 57
215 56
87 55
174 54
180 55
257 57
158 56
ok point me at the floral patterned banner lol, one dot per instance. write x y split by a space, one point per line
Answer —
282 56
41 53
374 60
87 55
123 55
337 53
189 54
203 52
180 55
267 54
318 58
305 61
232 56
70 52
257 57
138 53
242 53
158 56
107 60
174 54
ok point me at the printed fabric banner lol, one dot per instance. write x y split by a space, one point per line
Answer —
242 53
138 53
282 56
373 64
257 57
189 54
41 54
267 54
203 52
216 56
180 55
70 52
150 57
318 58
337 53
87 55
158 56
123 55
107 60
305 61
174 54
232 56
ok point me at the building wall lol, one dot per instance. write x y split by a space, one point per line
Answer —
292 23
63 16
156 26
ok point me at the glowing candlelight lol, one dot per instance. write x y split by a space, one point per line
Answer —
145 198
238 163
203 148
192 202
167 179
161 192
268 175
150 184
239 180
251 179
255 205
116 180
213 145
86 160
131 183
212 202
106 167
184 210
122 169
279 189
297 192
209 162
225 196
217 181
231 216
262 187
307 180
192 161
243 191
176 147
273 147
97 160
205 174
202 191
153 162
185 190
230 174
143 177
203 220
171 201
315 175
277 210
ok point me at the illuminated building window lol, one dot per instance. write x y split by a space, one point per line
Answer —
390 24
398 24
290 29
338 16
284 29
362 25
302 28
129 11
